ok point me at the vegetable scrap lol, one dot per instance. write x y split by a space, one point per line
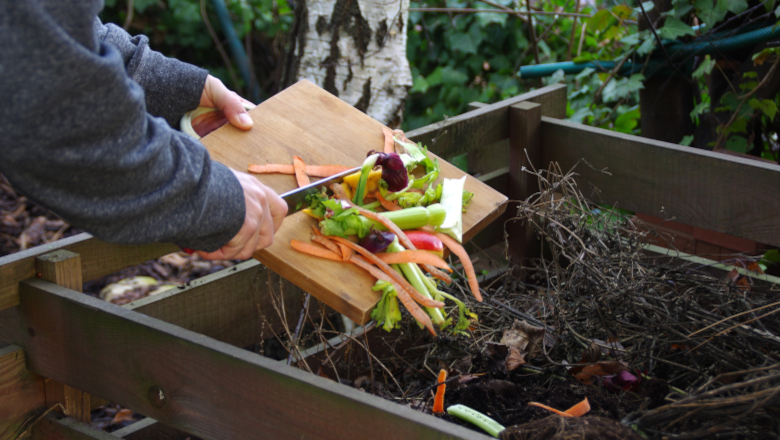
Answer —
377 207
438 400
577 410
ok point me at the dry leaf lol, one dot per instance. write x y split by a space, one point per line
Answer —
514 359
525 337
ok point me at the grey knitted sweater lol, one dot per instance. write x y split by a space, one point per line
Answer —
85 130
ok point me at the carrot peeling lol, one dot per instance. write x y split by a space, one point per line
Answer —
346 251
419 257
458 250
300 172
388 205
370 256
325 241
577 410
389 142
403 295
315 250
283 168
392 227
438 400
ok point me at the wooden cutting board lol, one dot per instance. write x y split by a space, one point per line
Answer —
306 121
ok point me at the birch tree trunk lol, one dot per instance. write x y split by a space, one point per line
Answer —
354 49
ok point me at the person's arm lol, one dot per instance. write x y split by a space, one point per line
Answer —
78 139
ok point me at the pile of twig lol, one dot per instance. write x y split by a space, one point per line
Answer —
687 324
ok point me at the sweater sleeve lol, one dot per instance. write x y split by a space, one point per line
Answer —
172 87
77 137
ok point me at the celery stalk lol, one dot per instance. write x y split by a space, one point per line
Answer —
368 165
452 199
464 412
410 271
409 218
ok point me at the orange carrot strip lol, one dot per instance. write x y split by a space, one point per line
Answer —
283 168
346 251
579 409
271 168
458 250
371 257
438 400
401 136
392 227
315 250
325 241
389 142
388 205
300 172
403 295
549 408
325 170
419 257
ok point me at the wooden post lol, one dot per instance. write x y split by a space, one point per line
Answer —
63 268
525 151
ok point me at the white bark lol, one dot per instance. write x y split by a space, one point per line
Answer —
370 70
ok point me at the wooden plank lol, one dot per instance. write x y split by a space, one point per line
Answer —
63 268
696 187
487 125
54 426
191 382
307 121
151 429
525 144
98 258
233 305
21 391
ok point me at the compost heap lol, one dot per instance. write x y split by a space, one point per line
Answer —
664 347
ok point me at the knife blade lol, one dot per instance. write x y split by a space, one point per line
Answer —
296 199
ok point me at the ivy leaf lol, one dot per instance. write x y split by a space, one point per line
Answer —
626 122
646 47
704 68
673 28
686 140
434 79
487 18
622 88
735 6
777 12
556 77
462 41
599 21
767 107
707 13
622 11
452 77
759 58
584 58
649 5
420 85
699 109
738 144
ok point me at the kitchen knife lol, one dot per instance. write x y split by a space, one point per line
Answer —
296 199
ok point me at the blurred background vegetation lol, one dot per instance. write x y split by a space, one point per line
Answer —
459 54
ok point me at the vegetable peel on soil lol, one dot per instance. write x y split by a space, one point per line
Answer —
577 410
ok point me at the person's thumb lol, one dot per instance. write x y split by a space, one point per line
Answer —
235 112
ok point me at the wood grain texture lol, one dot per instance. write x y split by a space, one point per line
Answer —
699 188
55 427
233 305
525 152
486 125
63 268
98 259
306 121
21 391
211 389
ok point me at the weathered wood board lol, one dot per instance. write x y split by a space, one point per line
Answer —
307 121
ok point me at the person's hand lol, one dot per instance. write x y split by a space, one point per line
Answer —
230 105
265 211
